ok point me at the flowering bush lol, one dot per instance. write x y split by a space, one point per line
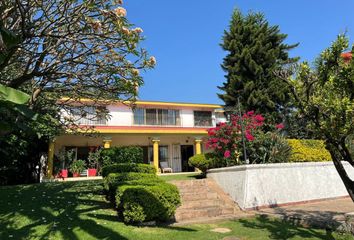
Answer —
226 141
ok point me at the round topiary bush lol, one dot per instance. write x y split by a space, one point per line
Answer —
139 203
199 161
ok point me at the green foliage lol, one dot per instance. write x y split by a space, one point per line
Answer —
77 166
94 158
123 154
128 167
8 40
350 144
14 101
254 51
145 203
268 147
12 95
114 179
324 94
306 150
199 161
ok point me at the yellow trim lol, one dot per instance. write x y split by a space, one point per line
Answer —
107 143
153 103
155 143
198 147
178 104
51 147
159 131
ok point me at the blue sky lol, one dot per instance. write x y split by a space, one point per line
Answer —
184 36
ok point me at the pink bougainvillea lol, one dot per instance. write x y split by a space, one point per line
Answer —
225 139
227 154
279 126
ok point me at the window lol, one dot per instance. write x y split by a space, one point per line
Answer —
203 119
89 115
152 116
220 117
139 116
148 154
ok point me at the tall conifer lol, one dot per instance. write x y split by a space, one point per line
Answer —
255 50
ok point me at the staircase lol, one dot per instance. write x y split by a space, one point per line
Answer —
203 200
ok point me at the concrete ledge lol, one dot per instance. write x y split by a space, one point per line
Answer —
266 185
72 179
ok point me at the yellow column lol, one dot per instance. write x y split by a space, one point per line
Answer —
155 144
198 146
107 143
50 158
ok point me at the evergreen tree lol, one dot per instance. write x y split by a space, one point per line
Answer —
255 51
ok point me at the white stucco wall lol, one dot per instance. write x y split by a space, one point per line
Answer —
120 116
270 184
187 117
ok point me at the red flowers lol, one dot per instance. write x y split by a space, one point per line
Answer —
225 139
279 126
227 154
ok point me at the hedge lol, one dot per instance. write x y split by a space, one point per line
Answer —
123 154
306 150
139 203
114 179
128 167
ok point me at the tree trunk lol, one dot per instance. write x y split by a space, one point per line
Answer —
337 160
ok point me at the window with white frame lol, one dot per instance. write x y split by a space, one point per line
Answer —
153 116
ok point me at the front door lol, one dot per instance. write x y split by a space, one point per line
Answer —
187 151
176 158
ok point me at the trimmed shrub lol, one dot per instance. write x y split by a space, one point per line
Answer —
114 179
199 161
306 150
139 203
124 154
128 167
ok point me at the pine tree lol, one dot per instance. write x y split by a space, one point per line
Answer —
255 50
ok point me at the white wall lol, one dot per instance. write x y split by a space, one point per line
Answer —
187 117
259 185
120 115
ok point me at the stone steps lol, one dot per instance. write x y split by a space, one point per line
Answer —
203 200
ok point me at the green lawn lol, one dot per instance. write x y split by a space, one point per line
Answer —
78 210
186 176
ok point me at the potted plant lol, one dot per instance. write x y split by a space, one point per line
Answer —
65 158
93 159
77 167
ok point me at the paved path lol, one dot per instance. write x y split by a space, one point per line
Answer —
324 214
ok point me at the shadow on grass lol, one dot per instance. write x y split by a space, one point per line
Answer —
62 210
281 229
41 210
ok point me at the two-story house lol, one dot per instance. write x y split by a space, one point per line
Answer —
168 132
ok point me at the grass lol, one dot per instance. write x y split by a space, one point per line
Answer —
184 176
78 210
